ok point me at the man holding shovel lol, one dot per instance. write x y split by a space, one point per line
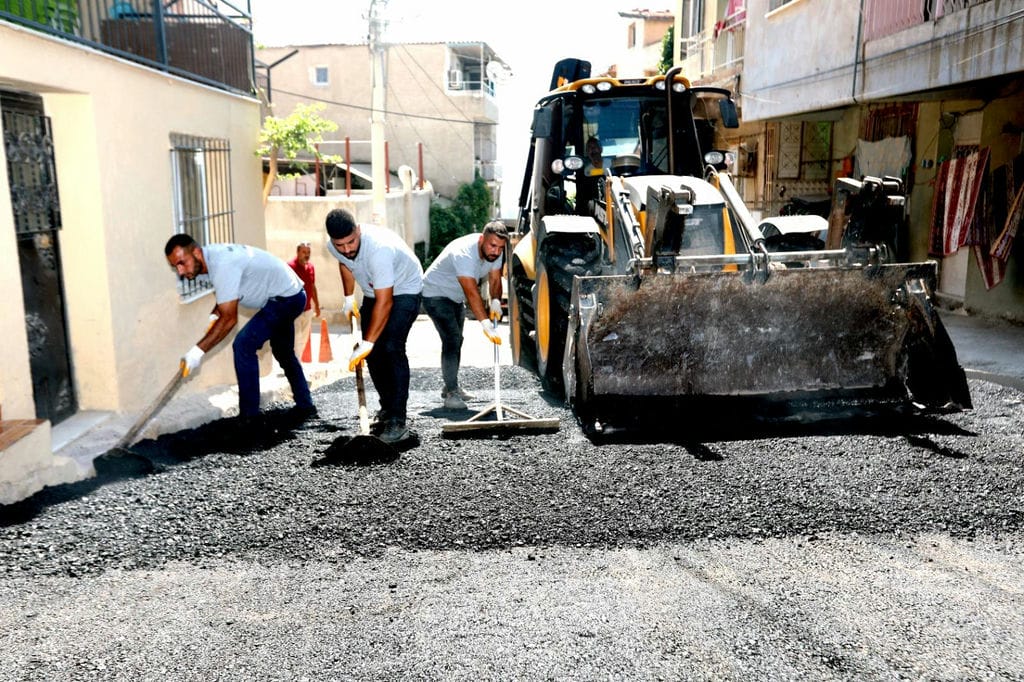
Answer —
252 278
390 275
450 284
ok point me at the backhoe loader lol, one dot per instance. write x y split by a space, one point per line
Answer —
639 277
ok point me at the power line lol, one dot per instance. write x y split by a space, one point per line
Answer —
386 111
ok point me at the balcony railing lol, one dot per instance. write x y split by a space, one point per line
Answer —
209 41
885 17
457 81
711 53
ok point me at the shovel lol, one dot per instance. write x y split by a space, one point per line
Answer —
120 458
362 448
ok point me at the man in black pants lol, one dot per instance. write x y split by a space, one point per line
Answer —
451 283
390 275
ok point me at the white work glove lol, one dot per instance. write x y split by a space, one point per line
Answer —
192 358
495 309
350 308
490 333
359 354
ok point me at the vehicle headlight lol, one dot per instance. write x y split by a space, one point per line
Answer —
573 163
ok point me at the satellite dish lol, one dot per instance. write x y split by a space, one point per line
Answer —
496 71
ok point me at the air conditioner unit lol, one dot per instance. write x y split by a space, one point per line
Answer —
455 80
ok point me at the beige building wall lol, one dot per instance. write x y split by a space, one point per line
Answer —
15 374
291 220
642 58
111 125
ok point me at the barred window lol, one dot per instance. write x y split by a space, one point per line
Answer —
201 172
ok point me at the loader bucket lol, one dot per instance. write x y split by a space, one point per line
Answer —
803 333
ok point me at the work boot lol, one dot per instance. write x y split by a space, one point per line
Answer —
380 422
250 431
452 401
396 431
462 394
303 412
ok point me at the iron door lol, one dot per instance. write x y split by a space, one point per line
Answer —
32 177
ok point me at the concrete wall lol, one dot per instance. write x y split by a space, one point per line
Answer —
291 220
112 122
799 57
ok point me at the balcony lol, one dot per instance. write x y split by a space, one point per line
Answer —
716 55
209 41
886 17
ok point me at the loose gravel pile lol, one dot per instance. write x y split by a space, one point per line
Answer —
865 549
960 474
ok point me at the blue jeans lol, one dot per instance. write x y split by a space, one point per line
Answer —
274 322
388 362
448 318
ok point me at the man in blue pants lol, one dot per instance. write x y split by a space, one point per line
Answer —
252 278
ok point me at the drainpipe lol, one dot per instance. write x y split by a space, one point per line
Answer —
856 52
669 78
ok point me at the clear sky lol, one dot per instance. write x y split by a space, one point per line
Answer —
528 35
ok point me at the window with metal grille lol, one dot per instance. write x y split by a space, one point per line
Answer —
775 4
201 171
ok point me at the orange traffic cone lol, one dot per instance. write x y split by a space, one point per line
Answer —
307 352
325 343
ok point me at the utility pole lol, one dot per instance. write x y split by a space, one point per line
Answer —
378 83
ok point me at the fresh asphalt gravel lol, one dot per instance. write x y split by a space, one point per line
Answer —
882 548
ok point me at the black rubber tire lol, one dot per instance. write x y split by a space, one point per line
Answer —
559 259
521 317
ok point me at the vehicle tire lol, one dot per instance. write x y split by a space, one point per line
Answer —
521 319
559 259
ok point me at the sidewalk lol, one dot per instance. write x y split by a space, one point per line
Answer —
988 349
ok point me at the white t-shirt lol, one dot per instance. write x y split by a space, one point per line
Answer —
247 274
460 258
384 261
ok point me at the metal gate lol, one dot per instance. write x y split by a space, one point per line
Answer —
32 177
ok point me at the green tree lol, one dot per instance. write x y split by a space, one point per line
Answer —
287 137
468 213
667 41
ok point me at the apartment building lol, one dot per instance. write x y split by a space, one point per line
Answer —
440 111
931 91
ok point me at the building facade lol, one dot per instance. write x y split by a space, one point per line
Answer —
926 90
440 112
108 150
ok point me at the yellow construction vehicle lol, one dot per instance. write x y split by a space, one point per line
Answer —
639 275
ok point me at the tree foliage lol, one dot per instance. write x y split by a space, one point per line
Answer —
468 213
667 42
286 138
